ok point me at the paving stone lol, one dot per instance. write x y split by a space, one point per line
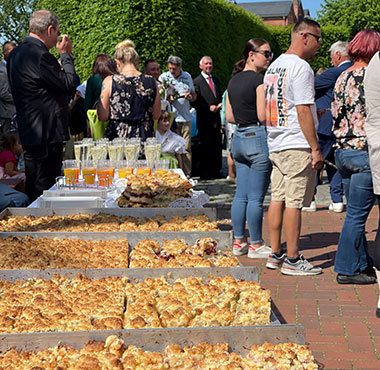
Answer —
338 304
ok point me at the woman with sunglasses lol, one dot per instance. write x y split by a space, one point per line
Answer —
245 106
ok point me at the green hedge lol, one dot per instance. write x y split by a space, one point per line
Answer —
189 29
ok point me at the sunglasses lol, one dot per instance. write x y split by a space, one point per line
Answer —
267 54
317 37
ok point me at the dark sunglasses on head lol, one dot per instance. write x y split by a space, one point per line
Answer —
318 37
267 54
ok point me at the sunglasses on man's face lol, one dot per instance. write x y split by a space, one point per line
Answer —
317 37
267 54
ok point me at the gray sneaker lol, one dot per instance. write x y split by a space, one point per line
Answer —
301 267
274 262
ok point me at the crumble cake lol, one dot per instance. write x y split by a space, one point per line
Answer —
105 222
112 354
177 253
153 190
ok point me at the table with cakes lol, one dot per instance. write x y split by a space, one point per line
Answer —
145 279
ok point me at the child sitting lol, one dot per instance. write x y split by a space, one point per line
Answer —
9 148
172 145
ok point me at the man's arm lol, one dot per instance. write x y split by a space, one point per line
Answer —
306 121
5 93
65 79
326 79
190 94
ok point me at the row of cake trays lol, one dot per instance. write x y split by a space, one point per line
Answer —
239 338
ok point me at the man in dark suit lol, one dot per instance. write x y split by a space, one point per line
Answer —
324 88
40 87
208 105
7 106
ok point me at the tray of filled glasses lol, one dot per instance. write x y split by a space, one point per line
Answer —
98 164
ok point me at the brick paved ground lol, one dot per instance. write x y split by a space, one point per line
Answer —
341 327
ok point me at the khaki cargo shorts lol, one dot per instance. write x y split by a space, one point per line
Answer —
293 178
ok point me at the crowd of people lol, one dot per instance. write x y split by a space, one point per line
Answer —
285 126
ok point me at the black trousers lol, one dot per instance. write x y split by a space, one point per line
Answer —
43 163
211 153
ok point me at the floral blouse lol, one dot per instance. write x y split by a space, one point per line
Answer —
132 98
348 110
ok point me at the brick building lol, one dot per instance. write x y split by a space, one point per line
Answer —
278 13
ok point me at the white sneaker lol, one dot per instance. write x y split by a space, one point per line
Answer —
311 208
239 249
260 252
336 207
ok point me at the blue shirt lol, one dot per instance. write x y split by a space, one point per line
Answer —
183 83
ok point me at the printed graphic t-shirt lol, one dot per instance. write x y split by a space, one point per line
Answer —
288 82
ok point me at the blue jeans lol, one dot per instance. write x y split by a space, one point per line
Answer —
11 198
352 254
253 167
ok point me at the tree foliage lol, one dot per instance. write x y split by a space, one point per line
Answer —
355 15
14 19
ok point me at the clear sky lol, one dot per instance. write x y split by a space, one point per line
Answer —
312 5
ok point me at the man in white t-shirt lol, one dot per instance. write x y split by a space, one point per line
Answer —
291 121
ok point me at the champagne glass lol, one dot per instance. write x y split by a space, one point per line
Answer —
150 152
96 152
129 151
113 151
78 148
157 152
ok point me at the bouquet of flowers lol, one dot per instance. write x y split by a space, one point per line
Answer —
167 89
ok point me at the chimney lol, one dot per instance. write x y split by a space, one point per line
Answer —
296 9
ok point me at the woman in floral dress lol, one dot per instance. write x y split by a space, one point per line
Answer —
129 99
352 262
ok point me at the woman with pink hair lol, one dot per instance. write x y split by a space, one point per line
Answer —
352 262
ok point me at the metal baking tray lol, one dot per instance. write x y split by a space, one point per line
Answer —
70 202
75 193
240 338
224 239
135 212
246 273
7 341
